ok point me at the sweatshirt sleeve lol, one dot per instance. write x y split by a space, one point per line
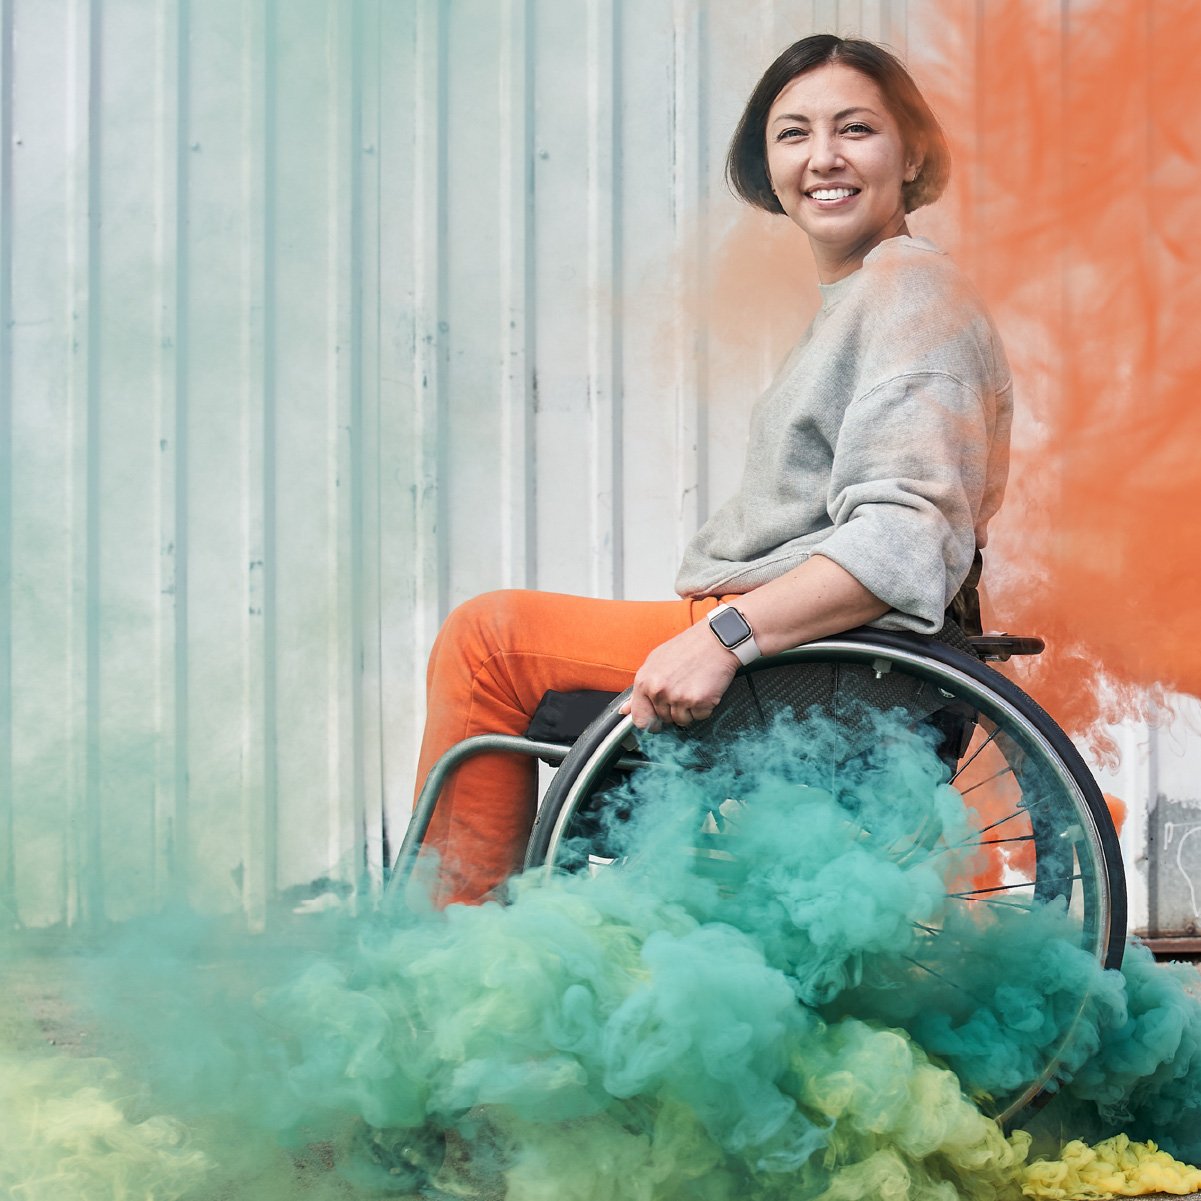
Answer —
908 478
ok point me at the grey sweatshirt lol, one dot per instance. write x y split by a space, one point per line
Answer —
882 443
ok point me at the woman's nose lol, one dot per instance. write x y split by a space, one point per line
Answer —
824 154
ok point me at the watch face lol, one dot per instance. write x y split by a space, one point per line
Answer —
730 627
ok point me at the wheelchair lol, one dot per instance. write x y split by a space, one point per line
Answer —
1043 840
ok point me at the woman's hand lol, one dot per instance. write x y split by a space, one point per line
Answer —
682 680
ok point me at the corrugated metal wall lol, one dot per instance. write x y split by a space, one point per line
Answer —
319 316
194 369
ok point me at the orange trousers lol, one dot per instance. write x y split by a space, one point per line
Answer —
492 661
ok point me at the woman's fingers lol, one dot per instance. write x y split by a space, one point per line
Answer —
685 715
641 709
651 713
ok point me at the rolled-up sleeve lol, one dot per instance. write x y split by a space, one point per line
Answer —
909 473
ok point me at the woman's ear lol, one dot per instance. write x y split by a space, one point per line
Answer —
914 163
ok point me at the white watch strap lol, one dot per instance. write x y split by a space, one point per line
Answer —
746 651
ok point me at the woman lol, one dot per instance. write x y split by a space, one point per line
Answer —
875 460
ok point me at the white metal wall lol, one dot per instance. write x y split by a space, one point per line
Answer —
318 317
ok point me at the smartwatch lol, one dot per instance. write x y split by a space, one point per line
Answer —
734 632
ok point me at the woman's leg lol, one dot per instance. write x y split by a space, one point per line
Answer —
492 662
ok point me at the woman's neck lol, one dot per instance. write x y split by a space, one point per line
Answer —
834 265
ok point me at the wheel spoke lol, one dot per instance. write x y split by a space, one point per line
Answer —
1005 771
1025 809
924 967
967 843
981 892
754 695
972 757
996 902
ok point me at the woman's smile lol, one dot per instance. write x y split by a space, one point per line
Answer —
832 195
826 197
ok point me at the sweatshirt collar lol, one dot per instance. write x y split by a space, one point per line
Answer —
833 293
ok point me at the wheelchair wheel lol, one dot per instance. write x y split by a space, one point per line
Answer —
1042 845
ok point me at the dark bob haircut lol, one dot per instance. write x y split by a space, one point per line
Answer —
746 166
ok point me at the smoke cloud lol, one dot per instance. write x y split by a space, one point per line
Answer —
740 1006
1076 194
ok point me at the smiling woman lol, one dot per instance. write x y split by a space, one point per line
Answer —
876 459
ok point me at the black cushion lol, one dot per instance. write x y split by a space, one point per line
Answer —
564 716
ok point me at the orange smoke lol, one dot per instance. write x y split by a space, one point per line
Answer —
1077 206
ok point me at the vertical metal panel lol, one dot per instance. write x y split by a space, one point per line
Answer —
557 308
316 318
364 661
8 898
1171 836
258 729
518 533
121 486
655 333
84 853
689 192
405 559
431 273
829 16
304 437
169 436
50 350
224 408
485 451
89 875
605 284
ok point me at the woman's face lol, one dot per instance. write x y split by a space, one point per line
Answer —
837 162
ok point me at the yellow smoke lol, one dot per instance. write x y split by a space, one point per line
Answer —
1113 1168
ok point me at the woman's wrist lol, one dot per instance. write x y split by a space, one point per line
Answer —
813 600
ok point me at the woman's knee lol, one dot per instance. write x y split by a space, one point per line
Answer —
487 621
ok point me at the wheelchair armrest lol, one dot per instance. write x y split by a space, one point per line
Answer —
1000 647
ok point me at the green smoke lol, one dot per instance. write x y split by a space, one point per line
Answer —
773 991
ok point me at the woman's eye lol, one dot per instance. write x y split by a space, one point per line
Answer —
789 134
857 127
